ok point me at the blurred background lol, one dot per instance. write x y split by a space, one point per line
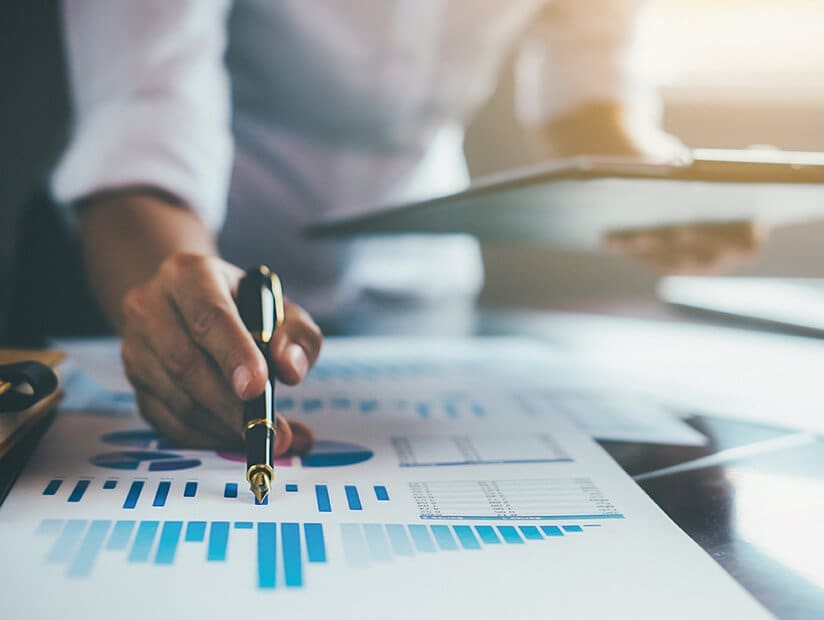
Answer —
733 73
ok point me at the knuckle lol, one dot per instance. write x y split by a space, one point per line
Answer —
180 358
208 315
180 263
133 306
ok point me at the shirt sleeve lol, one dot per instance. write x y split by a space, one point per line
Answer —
151 101
582 51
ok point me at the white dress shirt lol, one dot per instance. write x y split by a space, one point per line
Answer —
262 114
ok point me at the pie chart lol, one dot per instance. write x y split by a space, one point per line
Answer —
132 459
327 453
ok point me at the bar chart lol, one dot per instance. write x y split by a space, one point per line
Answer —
448 406
478 449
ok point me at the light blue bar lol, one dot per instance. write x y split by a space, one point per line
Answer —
551 530
352 497
381 493
510 535
399 540
161 494
121 535
52 487
167 547
315 546
444 538
487 534
451 410
292 561
322 496
244 525
190 490
195 531
143 540
134 495
291 488
67 542
354 545
218 540
230 490
531 532
422 409
466 537
420 536
78 491
266 549
83 562
49 527
377 543
572 528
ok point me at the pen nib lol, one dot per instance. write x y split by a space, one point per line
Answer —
259 484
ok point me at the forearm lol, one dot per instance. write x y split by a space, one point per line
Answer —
127 235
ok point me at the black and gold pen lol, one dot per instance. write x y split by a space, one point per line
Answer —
260 302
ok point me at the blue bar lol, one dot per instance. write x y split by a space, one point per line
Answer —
422 409
110 484
451 410
312 404
52 487
218 539
263 502
291 488
552 530
190 490
377 543
487 534
292 566
315 546
399 540
352 497
266 550
142 545
121 534
167 547
161 494
83 562
134 494
510 535
195 531
444 538
420 536
230 490
381 493
572 528
49 527
354 545
466 537
65 544
531 532
244 525
367 406
322 495
79 490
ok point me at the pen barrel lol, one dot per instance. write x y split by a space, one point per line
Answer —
260 428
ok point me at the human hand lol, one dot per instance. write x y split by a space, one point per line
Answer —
193 363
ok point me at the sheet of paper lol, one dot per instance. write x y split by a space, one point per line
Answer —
482 510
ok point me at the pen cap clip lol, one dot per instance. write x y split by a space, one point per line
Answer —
260 302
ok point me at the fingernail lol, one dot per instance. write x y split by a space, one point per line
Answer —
298 360
241 379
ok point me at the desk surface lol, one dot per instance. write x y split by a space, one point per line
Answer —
757 514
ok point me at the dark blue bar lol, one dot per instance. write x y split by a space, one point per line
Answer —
352 497
243 525
218 540
531 532
52 487
322 496
67 542
572 528
121 534
190 490
467 538
162 493
83 562
420 536
230 490
266 548
142 545
167 547
381 493
134 494
79 490
263 502
444 538
510 535
196 531
291 488
110 484
292 568
487 534
314 542
552 530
